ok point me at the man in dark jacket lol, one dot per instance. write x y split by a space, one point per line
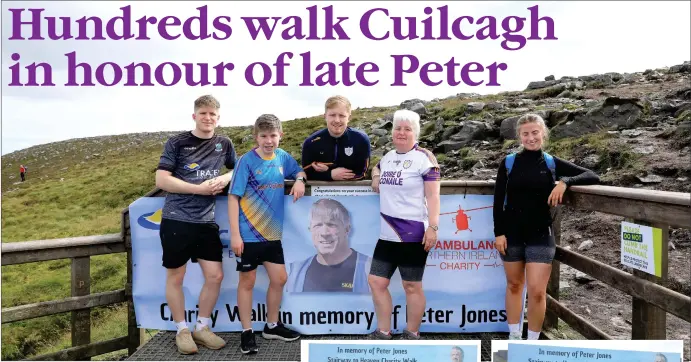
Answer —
336 152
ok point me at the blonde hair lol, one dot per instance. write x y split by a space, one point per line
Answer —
335 100
532 118
404 115
333 209
206 101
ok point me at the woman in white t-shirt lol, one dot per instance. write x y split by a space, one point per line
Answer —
408 181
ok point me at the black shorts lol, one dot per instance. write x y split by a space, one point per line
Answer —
182 241
410 259
536 249
256 253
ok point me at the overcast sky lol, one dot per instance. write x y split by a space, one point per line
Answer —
594 37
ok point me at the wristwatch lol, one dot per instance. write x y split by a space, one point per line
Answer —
304 180
435 227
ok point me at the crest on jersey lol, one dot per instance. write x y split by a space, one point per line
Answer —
219 147
407 163
280 169
348 151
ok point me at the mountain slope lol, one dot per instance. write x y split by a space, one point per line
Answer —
633 129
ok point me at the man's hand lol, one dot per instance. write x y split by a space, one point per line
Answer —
206 188
298 190
342 173
237 245
320 167
218 184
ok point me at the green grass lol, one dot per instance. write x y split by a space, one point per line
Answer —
611 154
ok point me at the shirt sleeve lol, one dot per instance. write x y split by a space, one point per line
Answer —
572 174
307 159
430 170
231 156
241 173
168 160
499 194
291 167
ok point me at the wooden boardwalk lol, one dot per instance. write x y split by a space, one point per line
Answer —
162 347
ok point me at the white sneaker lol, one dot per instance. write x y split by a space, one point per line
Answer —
515 336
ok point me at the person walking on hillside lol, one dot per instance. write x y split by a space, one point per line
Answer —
525 189
408 182
337 152
190 171
22 172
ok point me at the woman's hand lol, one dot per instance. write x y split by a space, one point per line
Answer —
500 244
557 194
430 238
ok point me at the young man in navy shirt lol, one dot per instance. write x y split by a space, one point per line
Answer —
336 152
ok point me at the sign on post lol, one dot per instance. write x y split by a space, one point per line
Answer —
641 248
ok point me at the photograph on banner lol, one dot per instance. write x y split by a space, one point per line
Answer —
587 351
328 191
641 248
390 351
328 244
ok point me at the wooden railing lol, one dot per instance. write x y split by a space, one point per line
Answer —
80 250
651 301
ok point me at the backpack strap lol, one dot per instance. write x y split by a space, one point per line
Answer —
549 160
508 162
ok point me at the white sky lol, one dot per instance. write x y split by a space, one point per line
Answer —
594 37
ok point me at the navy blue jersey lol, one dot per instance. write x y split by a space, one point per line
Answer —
351 150
194 160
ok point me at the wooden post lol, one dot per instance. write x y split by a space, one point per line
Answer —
133 330
551 319
648 321
81 319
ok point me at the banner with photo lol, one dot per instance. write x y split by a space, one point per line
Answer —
327 256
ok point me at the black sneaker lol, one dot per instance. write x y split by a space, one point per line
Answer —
280 332
247 342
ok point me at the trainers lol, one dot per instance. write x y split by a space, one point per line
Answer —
208 339
410 335
247 342
185 342
280 332
377 334
515 336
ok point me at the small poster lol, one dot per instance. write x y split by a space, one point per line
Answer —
641 247
329 191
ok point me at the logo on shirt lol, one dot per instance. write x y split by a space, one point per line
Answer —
191 148
407 163
219 147
280 169
348 151
192 166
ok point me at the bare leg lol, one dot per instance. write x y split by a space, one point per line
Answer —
515 279
538 277
174 295
415 300
382 301
277 280
245 287
213 275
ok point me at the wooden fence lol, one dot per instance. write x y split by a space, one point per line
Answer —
651 300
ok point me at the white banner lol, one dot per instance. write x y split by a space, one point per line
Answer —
464 280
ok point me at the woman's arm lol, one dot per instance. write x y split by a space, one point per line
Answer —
572 174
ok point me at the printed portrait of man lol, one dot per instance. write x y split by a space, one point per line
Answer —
456 354
335 267
660 358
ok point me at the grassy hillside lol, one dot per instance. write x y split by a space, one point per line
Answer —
79 187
